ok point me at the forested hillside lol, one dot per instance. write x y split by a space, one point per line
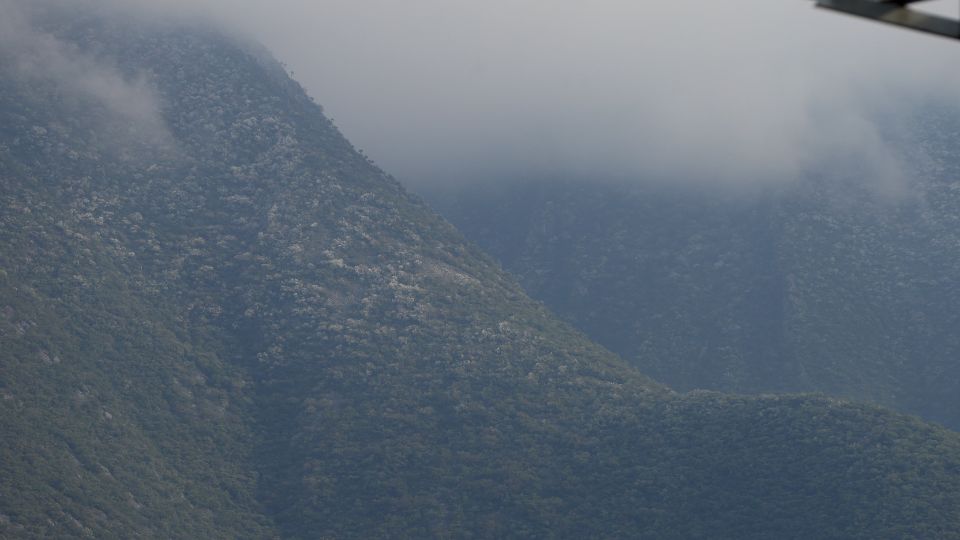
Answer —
219 320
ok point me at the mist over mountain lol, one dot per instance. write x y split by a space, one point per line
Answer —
220 320
757 92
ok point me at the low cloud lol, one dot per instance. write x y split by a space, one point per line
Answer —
745 91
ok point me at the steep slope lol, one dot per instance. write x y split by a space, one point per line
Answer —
219 320
820 285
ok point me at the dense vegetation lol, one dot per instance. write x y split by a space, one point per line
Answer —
218 320
829 283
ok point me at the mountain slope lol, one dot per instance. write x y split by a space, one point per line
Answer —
219 320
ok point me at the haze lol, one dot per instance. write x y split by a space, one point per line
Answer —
737 91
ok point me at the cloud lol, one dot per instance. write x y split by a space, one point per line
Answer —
468 91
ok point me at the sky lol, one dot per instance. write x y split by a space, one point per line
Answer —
441 91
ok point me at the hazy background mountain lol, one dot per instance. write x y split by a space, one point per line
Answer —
821 284
218 319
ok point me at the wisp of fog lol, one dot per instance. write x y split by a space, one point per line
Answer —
35 56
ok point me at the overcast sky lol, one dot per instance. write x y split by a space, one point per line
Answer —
735 90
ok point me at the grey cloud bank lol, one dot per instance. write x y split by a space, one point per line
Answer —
738 91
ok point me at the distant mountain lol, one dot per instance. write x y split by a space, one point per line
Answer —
219 320
830 283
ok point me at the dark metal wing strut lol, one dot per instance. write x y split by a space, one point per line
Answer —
896 12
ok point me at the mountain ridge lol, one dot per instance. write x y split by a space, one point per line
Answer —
253 332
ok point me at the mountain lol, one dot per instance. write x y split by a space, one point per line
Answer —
830 283
219 320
